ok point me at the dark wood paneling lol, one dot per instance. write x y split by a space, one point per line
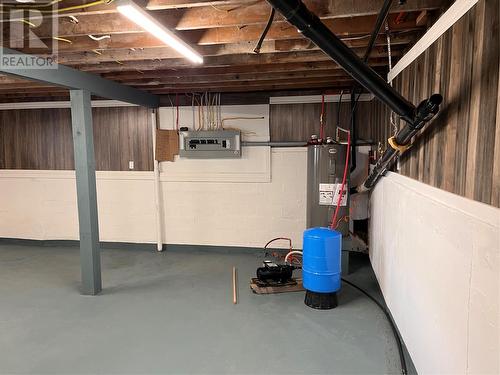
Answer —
458 152
297 122
42 139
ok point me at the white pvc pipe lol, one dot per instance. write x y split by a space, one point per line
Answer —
156 169
292 253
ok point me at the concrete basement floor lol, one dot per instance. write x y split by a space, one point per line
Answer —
172 313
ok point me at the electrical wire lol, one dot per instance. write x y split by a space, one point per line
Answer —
98 38
298 252
41 5
60 10
177 112
404 369
62 39
322 118
240 118
338 109
389 55
264 32
344 178
192 110
343 218
279 238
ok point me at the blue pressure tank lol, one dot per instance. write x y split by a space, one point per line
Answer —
321 267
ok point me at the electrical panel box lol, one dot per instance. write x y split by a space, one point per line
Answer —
210 144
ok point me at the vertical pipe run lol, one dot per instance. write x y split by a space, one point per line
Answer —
353 131
156 171
378 24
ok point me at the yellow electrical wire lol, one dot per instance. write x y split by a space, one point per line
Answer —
26 22
39 5
240 118
62 39
74 7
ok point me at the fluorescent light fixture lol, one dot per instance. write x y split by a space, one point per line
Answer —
142 18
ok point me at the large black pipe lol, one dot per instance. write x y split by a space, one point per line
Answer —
354 137
311 27
384 11
425 111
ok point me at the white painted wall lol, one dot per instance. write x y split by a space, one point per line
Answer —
42 205
436 257
239 202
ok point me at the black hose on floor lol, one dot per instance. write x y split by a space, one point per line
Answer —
404 369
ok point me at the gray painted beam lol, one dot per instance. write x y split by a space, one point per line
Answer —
90 257
75 79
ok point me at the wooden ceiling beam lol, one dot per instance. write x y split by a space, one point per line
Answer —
271 87
166 53
249 77
220 71
217 13
220 61
214 86
119 28
242 76
235 69
136 47
145 83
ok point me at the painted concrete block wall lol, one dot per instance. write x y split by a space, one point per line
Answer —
240 202
436 257
42 205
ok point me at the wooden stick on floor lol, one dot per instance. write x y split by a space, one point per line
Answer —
235 281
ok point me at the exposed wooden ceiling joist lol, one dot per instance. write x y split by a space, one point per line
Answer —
200 13
217 34
225 33
167 54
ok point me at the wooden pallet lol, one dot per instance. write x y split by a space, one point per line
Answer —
259 288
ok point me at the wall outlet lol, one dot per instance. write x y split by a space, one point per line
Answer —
131 164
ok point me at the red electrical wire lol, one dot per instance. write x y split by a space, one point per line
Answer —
177 117
346 167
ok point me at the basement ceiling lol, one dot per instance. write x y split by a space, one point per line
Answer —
99 40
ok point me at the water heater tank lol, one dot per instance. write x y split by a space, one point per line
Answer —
321 267
325 169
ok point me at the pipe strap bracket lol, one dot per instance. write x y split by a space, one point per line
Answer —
396 146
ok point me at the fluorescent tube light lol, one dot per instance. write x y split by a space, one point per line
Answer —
142 18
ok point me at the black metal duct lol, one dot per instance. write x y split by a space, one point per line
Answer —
311 27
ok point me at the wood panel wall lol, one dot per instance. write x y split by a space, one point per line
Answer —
460 150
42 139
297 122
